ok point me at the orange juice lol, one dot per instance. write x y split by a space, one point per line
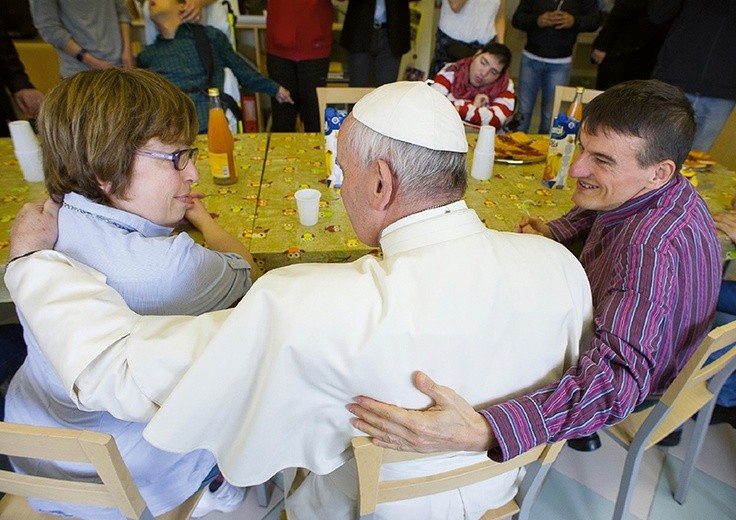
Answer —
220 143
576 107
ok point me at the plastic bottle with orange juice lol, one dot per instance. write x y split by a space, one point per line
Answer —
220 143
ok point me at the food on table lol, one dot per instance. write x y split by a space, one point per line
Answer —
520 146
697 160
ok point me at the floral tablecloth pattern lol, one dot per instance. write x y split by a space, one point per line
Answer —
297 161
260 208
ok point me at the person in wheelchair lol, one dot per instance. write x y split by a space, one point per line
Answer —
179 52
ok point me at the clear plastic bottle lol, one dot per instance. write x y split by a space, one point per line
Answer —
220 143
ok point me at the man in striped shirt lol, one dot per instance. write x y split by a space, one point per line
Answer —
653 259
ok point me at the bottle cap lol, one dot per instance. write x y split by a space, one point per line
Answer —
213 91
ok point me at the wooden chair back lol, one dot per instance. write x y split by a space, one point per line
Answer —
373 491
693 390
339 96
115 489
687 394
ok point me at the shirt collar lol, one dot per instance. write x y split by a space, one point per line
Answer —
424 215
634 206
114 216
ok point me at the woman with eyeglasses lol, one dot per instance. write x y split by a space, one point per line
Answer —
118 156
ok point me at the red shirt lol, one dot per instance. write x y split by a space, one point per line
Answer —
299 29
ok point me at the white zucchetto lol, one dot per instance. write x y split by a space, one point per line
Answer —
413 112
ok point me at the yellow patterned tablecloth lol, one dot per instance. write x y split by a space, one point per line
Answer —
297 161
260 207
233 205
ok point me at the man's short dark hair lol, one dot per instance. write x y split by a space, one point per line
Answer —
499 50
652 110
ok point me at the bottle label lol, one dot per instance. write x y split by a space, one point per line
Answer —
220 166
561 151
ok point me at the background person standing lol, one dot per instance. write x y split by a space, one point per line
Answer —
16 81
376 35
551 26
699 56
299 43
87 34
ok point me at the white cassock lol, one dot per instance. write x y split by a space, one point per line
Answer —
492 315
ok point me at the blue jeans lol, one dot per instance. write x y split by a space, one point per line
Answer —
710 115
533 75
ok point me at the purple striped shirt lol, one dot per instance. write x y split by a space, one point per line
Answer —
654 266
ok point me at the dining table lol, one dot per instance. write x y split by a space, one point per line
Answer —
260 208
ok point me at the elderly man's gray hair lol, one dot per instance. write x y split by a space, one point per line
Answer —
422 174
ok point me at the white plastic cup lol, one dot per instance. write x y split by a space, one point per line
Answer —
22 135
31 164
482 168
486 139
307 205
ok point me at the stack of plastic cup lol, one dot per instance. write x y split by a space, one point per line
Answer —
27 150
485 153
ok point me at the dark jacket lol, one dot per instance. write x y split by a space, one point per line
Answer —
628 30
699 53
12 76
358 26
548 42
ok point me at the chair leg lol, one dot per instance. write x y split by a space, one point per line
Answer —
263 493
701 428
628 479
693 450
529 489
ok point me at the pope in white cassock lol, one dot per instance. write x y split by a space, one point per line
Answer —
264 386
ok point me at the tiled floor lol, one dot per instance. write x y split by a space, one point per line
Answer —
583 486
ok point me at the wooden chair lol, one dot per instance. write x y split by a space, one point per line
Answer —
339 96
41 63
693 390
116 489
372 491
564 94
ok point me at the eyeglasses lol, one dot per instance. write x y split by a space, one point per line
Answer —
180 158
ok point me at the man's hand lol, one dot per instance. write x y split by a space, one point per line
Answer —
451 424
29 100
127 59
546 19
481 100
532 226
96 63
726 222
597 56
556 19
192 11
284 96
562 20
35 227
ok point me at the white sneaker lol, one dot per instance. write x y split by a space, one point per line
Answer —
227 498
